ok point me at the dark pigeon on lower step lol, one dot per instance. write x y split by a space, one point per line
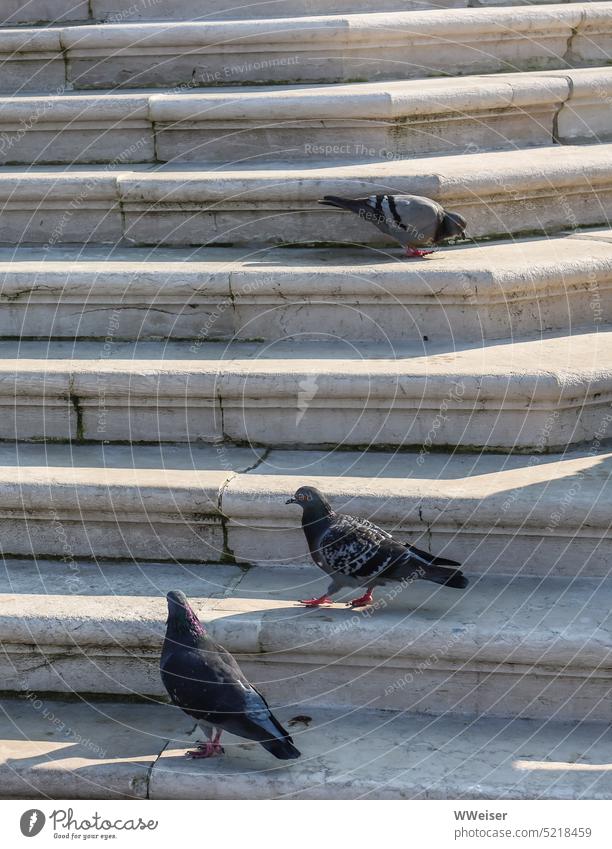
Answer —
203 679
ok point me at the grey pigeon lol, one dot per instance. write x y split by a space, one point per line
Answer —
203 679
413 221
357 553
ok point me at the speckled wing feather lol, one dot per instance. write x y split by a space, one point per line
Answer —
359 549
365 523
417 553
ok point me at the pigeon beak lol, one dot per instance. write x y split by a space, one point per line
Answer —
291 501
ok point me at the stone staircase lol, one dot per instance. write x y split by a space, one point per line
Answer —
186 337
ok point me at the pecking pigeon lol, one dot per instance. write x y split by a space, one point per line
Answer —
413 221
204 680
357 553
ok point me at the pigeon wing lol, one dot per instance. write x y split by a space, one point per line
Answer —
209 686
420 217
257 701
365 523
357 548
198 681
417 553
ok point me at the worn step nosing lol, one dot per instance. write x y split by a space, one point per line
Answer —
569 660
542 515
513 508
375 102
365 659
550 167
37 12
388 396
386 28
383 385
283 49
145 128
108 625
492 273
451 510
369 102
498 192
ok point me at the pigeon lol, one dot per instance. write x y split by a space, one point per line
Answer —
411 220
204 680
356 553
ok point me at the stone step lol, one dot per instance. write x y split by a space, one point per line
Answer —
533 515
73 127
361 121
325 48
465 294
506 351
512 647
115 11
54 748
500 193
530 515
497 395
391 120
116 501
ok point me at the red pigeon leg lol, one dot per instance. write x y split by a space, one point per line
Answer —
414 252
218 748
316 602
364 600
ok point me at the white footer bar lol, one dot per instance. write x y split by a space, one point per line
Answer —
300 825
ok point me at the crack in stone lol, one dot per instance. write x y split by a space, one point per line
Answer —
228 555
261 459
567 56
232 586
66 62
19 293
141 308
556 139
149 773
76 404
154 132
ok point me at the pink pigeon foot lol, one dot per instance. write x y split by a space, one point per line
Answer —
363 601
204 750
316 602
207 748
417 252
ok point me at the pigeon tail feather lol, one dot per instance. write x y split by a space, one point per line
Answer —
429 572
447 577
431 558
357 206
283 748
444 561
